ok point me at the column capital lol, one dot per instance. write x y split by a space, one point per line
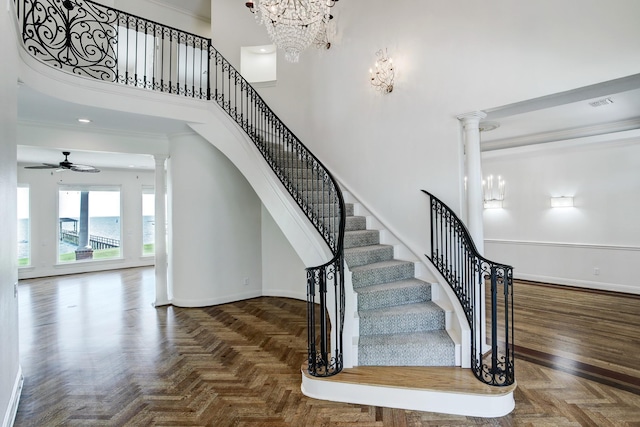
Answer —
160 159
472 118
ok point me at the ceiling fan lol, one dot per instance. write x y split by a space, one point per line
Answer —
65 165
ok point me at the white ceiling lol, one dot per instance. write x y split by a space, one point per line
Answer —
35 107
566 115
31 156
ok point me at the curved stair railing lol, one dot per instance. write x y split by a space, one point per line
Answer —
484 289
95 41
315 191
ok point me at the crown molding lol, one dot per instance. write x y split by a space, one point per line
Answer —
562 135
626 137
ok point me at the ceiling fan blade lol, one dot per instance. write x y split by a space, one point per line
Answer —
43 166
84 168
65 165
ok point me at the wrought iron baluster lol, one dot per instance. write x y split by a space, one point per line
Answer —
455 256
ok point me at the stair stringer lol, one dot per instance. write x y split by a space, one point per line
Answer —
224 134
455 320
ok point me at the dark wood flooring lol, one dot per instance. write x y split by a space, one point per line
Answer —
96 353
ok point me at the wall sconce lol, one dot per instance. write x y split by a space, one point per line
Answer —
562 202
493 192
382 77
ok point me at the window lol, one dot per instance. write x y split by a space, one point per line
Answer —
89 223
148 221
24 234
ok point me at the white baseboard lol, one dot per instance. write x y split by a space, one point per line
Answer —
12 408
612 287
585 265
182 302
284 293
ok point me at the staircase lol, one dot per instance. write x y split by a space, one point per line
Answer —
399 325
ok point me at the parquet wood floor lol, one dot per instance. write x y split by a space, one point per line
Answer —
96 353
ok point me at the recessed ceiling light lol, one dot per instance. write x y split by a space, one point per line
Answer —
601 102
84 120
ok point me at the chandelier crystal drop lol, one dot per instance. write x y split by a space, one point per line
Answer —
293 25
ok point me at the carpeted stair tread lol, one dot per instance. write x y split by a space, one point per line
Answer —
362 255
353 239
402 292
381 272
328 210
352 223
431 348
407 318
315 196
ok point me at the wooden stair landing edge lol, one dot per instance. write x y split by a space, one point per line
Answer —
450 390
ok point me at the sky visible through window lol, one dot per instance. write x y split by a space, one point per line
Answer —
101 203
23 202
105 227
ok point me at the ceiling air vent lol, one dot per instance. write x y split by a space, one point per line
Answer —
601 102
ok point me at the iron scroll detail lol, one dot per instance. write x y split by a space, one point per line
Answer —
483 288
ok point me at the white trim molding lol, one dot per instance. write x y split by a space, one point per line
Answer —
563 244
604 267
12 409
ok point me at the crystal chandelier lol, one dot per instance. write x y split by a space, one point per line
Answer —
294 25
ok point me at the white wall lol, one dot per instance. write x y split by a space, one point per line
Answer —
10 372
451 58
214 222
43 194
595 244
283 272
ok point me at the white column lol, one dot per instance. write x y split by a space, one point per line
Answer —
162 297
473 169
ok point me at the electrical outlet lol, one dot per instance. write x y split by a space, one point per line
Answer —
596 271
246 281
